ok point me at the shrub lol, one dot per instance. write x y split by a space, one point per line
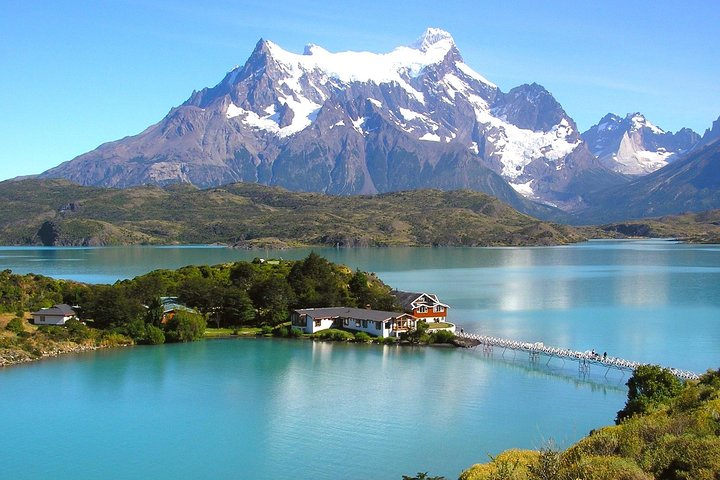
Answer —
295 332
649 387
362 337
77 331
334 335
154 335
266 330
54 332
136 329
15 325
604 468
281 332
442 336
114 339
185 327
509 465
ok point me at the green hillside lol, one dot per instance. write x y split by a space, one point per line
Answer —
56 212
701 227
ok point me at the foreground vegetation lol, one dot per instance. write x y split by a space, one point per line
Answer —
56 212
667 430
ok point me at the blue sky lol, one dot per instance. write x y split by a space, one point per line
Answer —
75 74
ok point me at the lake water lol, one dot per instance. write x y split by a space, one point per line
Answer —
278 409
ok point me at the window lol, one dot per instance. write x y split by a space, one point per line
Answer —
357 323
317 323
346 322
388 325
439 308
364 323
422 309
378 325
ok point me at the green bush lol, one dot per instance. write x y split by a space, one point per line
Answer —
442 336
295 332
362 337
77 331
650 387
136 329
154 335
54 332
114 339
604 468
509 465
15 325
281 332
334 335
185 327
266 330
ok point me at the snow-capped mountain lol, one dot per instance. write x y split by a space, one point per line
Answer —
355 122
634 146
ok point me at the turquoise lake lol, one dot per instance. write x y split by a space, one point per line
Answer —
247 408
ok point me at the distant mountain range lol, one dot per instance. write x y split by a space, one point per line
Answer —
416 117
634 146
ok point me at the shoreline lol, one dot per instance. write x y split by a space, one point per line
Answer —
10 357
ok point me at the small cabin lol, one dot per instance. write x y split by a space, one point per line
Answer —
172 305
56 315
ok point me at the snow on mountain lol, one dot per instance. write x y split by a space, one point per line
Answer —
355 122
635 146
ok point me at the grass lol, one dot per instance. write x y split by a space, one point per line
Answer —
439 325
227 332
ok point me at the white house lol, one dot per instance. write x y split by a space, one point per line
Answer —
57 315
374 322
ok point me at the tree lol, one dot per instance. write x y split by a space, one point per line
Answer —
273 298
198 292
418 335
649 387
360 289
154 313
109 306
317 284
242 274
185 327
237 308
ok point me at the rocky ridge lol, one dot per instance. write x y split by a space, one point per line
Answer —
357 123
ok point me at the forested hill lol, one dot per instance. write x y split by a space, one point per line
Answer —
56 212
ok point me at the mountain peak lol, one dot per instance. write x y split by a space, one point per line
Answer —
434 38
638 121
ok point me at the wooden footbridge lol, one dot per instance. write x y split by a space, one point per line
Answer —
584 359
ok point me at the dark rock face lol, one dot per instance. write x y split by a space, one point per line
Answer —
48 233
634 146
331 123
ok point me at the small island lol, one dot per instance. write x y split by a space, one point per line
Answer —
310 298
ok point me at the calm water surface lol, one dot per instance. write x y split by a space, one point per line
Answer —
279 409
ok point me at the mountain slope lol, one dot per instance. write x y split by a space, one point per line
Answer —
355 123
56 212
690 184
634 146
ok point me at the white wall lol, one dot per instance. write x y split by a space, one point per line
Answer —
50 319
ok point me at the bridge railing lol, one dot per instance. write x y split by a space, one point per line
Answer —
584 357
